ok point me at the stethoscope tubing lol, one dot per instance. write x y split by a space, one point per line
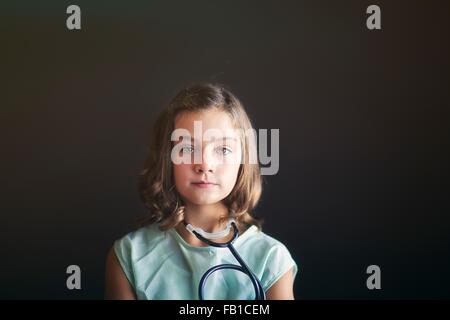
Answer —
259 292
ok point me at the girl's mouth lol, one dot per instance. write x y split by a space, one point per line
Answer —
204 184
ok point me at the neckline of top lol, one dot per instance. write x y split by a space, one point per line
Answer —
181 240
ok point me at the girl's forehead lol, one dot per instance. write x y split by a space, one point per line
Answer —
211 119
209 126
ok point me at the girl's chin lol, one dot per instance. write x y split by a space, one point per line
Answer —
203 201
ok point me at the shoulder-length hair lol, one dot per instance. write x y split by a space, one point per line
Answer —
156 183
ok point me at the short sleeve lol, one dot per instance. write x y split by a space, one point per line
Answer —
278 262
122 249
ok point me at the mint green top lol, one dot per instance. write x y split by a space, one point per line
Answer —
163 266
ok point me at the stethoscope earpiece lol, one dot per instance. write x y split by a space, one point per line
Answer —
210 235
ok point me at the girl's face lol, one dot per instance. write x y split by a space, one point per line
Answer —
217 159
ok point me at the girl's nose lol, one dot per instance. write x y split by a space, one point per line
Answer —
204 168
207 164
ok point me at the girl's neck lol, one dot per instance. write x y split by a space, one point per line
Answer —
205 217
210 218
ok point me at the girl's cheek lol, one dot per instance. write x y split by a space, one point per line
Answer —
181 171
229 172
182 167
232 166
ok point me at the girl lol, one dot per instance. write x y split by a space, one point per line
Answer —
163 259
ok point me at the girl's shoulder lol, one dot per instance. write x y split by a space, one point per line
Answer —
139 242
268 256
258 240
144 233
133 249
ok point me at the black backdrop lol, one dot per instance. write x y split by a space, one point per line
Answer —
363 118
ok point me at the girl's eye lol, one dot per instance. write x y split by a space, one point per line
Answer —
224 150
187 149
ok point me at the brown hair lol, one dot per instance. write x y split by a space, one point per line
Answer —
156 184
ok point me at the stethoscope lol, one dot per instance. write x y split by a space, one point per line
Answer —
206 237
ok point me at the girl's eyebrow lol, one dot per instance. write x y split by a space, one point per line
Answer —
213 139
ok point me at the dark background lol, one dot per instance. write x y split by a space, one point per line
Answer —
363 118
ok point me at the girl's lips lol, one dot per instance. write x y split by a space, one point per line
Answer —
204 184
